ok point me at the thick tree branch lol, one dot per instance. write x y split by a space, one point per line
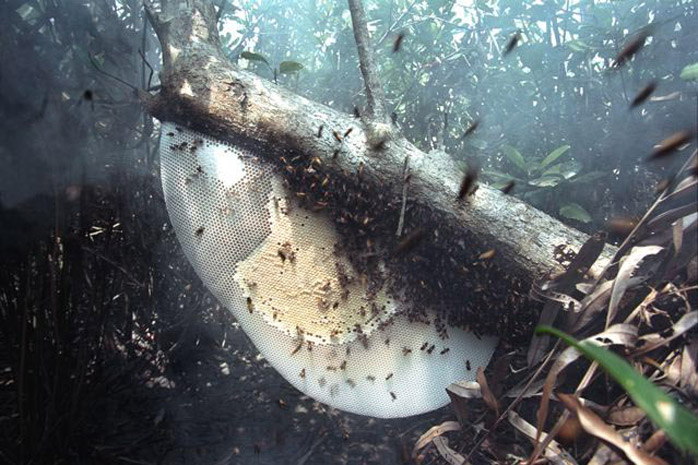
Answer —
364 191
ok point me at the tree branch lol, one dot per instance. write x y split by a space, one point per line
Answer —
375 98
364 193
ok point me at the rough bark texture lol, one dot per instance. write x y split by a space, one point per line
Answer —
361 184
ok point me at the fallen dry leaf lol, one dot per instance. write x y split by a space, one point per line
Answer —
594 425
432 433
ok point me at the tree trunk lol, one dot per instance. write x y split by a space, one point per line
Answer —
366 181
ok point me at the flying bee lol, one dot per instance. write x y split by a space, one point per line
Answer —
643 94
670 144
397 43
630 49
199 231
467 185
512 43
409 242
471 129
508 187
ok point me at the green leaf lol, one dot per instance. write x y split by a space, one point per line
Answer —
565 169
576 212
589 177
287 67
254 57
690 72
675 420
554 155
577 45
515 157
546 181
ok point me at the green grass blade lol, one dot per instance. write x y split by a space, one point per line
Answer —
679 423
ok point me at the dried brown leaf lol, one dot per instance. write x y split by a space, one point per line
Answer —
554 452
487 395
626 416
433 433
621 334
654 340
448 454
683 370
595 426
628 266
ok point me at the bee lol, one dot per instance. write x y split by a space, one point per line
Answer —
331 368
390 375
199 232
431 349
409 242
310 346
282 404
397 43
348 131
371 378
670 144
467 185
387 342
445 351
170 134
319 130
508 187
351 383
343 366
336 135
406 351
486 255
298 347
512 43
424 346
630 49
467 365
643 94
471 129
250 306
302 373
357 113
392 394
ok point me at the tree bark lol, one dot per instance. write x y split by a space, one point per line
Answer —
310 143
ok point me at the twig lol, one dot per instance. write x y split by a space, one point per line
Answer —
513 404
307 455
375 98
116 78
405 183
